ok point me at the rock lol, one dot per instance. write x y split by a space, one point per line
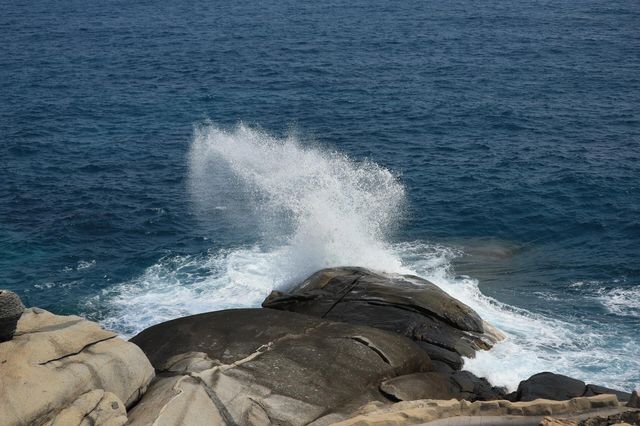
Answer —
438 353
476 388
428 410
625 418
557 387
52 361
634 400
553 421
599 390
550 386
92 408
421 386
11 309
262 366
403 304
179 400
441 367
434 385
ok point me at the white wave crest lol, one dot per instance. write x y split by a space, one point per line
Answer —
621 301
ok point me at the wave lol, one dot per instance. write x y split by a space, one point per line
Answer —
621 301
323 208
310 208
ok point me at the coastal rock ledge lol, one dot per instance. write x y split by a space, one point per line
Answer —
65 370
346 346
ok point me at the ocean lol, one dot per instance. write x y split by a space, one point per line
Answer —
165 158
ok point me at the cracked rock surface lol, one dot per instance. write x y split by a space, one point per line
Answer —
52 365
446 328
264 366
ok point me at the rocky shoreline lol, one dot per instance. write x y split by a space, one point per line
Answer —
346 346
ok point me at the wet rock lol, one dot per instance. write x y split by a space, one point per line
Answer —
476 388
261 366
438 353
634 400
403 304
11 309
550 386
52 361
557 387
441 367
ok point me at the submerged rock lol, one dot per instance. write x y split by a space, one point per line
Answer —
11 309
263 366
56 367
404 304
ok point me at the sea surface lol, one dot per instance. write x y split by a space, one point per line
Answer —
162 158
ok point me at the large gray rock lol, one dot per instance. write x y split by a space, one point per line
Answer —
52 366
557 387
11 309
263 366
403 304
552 386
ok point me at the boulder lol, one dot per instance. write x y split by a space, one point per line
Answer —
557 387
11 309
53 363
634 400
403 304
548 385
434 385
592 390
263 366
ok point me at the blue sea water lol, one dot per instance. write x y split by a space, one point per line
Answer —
165 158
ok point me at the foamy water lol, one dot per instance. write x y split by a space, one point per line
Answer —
313 208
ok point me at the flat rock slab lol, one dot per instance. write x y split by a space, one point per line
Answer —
54 363
459 412
403 304
263 366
